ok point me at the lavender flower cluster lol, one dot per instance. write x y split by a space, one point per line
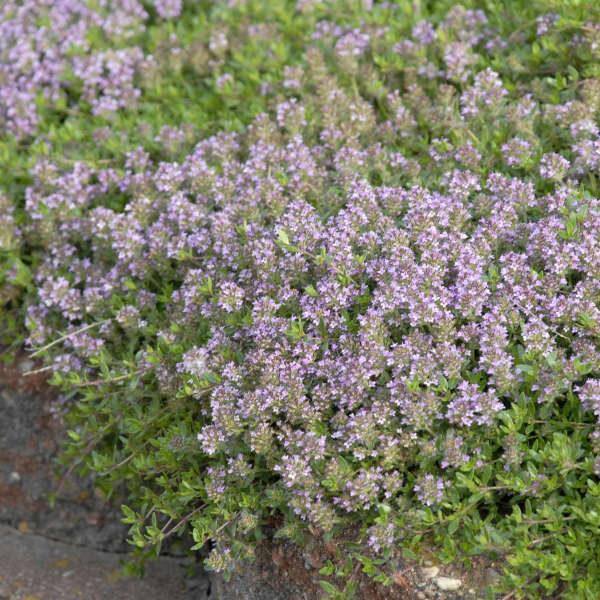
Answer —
364 315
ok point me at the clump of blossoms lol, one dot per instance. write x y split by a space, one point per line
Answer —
430 490
168 9
45 44
327 329
554 166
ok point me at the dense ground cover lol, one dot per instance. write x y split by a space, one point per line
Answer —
337 262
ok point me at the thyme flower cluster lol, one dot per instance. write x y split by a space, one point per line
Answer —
349 293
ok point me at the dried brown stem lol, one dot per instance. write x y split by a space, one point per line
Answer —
68 335
175 527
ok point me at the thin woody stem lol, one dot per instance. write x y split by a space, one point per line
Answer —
36 371
175 527
123 462
68 335
103 381
543 521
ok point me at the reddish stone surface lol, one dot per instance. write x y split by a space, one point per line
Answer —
284 571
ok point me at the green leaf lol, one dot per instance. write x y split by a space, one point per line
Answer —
283 237
517 514
365 560
330 589
453 526
327 569
73 435
130 516
573 74
384 508
383 579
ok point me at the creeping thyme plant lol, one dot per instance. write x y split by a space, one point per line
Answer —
332 262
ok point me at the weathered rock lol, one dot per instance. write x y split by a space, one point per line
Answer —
30 435
430 572
32 566
448 584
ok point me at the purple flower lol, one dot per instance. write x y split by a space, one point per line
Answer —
424 33
429 489
168 9
546 22
553 166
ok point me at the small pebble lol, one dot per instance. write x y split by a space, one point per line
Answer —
430 572
421 596
26 365
14 477
447 583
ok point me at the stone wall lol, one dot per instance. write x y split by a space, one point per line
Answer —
29 443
